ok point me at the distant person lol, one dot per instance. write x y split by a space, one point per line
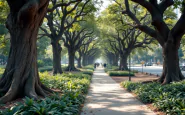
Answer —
94 65
105 65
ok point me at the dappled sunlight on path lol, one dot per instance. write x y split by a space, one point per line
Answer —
106 97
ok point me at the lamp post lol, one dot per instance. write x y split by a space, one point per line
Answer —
142 62
129 69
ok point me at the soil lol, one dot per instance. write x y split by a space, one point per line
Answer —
140 77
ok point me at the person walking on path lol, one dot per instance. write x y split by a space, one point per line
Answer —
106 97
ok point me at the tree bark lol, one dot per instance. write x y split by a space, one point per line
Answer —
21 76
57 69
115 60
171 70
84 60
79 62
123 62
71 66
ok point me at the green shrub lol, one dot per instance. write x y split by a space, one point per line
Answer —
89 72
91 67
40 63
46 68
73 86
120 73
135 71
1 71
111 68
130 86
167 98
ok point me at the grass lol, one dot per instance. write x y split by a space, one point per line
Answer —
120 73
167 98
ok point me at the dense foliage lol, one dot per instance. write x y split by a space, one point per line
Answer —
73 87
167 98
120 73
1 71
90 67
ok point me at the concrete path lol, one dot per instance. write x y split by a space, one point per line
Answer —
106 97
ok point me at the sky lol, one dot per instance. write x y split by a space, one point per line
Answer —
105 4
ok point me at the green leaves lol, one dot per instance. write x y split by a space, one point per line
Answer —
74 86
168 98
120 73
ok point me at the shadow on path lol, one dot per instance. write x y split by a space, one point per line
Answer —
106 97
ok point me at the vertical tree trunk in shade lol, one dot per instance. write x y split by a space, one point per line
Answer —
71 66
171 70
56 47
123 62
115 60
21 76
84 60
79 62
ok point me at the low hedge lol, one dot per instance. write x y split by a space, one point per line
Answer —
73 86
90 67
89 72
46 68
120 73
111 68
1 71
167 98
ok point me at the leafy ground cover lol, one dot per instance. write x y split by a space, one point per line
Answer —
167 98
89 67
73 88
111 68
87 71
120 73
49 68
1 71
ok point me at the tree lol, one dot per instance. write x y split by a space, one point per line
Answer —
4 11
168 37
73 41
21 76
56 22
79 58
126 42
90 53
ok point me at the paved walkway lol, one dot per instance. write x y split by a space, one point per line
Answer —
106 97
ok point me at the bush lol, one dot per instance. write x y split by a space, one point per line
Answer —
168 98
91 67
89 72
130 86
73 86
1 71
111 68
40 63
46 68
135 71
120 73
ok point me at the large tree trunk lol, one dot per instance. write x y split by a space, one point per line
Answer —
171 69
123 62
71 66
84 60
57 69
115 60
79 62
21 76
